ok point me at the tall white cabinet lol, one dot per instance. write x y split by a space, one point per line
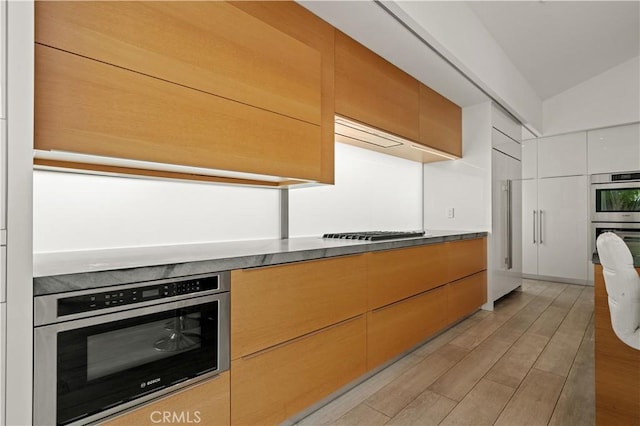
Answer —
3 198
555 220
505 248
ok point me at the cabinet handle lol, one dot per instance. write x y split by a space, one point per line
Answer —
540 228
509 258
534 226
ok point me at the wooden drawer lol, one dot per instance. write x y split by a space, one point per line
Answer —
394 329
466 257
397 274
273 385
373 91
206 403
466 295
213 47
274 304
85 106
440 122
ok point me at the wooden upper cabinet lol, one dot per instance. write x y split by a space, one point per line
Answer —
210 46
440 122
245 88
296 21
86 106
373 91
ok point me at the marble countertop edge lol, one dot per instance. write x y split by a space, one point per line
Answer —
68 271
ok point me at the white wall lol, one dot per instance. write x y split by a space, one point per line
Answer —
456 32
608 99
78 212
463 184
372 191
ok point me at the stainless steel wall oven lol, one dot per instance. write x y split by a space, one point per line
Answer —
615 197
100 351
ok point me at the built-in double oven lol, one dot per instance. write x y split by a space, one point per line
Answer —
615 207
100 351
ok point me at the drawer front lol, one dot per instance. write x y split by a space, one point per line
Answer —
397 274
396 328
466 295
207 403
273 385
274 304
89 107
213 47
466 257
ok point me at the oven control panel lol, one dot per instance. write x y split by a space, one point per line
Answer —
108 299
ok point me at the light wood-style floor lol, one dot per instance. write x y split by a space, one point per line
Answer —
529 362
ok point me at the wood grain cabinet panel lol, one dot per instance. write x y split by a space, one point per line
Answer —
207 403
617 366
86 106
210 46
466 257
440 122
398 274
296 21
275 304
373 91
466 295
396 328
273 385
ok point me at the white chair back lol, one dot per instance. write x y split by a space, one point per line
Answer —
623 287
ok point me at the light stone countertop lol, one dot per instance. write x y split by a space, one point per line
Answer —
58 272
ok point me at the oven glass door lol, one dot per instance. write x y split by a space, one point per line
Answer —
618 200
107 364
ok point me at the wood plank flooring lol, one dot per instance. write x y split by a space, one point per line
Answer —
529 362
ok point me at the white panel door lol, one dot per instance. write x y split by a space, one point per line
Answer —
562 221
530 227
564 155
530 159
615 149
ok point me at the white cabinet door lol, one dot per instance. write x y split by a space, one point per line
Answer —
506 124
564 155
563 227
530 227
530 159
615 149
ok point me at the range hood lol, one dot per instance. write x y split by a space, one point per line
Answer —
358 134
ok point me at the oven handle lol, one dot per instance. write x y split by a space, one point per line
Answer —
136 312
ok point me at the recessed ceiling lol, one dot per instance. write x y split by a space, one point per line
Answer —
559 44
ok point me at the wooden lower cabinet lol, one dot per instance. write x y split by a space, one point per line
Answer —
466 257
617 366
466 295
273 385
275 304
393 329
397 274
206 403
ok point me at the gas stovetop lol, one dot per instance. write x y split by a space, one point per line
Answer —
374 235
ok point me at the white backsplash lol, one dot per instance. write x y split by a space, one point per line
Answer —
79 212
372 191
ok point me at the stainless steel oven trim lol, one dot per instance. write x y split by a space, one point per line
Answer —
615 225
613 216
45 346
45 307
